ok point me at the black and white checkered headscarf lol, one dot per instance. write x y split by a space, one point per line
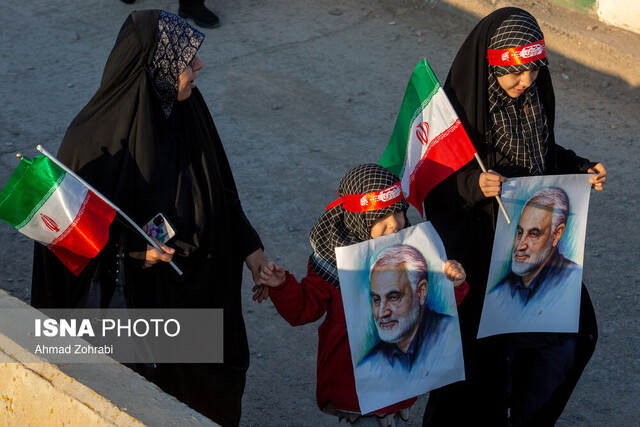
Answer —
338 227
519 125
178 43
519 29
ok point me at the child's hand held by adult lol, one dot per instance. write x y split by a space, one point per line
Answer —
272 275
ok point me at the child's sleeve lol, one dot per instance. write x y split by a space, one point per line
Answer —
461 292
304 302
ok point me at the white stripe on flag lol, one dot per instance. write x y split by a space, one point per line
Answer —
58 212
436 117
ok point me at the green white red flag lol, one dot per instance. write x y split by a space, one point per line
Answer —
428 142
47 204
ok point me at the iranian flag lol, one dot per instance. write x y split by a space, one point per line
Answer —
49 205
428 142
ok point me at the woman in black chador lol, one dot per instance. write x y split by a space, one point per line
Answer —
147 141
500 86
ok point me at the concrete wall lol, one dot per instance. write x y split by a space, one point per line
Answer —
104 393
620 13
584 6
33 394
624 14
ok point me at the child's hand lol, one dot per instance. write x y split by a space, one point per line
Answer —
272 275
454 271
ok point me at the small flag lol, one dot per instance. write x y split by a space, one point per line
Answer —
428 142
49 205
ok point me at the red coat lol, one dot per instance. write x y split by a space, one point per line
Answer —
306 302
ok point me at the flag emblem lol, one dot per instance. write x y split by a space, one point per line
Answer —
51 224
428 142
422 132
76 224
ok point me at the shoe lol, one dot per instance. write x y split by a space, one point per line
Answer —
202 16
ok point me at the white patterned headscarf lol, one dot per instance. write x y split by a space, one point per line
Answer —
178 44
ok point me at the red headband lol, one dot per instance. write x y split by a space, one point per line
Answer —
517 55
370 201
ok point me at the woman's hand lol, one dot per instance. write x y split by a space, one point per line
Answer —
491 183
255 262
153 255
597 182
260 293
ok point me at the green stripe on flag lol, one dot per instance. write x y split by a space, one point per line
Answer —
422 86
30 185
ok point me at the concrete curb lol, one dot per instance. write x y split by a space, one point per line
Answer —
34 392
41 394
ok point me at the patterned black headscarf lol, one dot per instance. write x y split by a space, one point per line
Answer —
519 29
178 43
519 125
338 227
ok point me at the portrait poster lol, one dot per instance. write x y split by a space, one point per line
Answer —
421 347
535 276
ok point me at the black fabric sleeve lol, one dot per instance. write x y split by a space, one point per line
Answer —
135 250
570 162
468 181
249 241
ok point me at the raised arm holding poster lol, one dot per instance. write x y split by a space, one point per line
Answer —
401 316
536 267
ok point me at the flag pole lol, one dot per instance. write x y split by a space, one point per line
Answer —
504 211
152 242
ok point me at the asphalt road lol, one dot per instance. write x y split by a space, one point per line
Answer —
301 92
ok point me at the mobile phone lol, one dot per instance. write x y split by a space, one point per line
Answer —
159 228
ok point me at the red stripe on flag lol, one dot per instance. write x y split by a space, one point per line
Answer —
451 150
74 262
86 235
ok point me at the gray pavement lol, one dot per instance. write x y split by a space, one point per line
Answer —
300 92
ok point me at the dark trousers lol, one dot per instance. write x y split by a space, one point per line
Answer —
482 398
535 374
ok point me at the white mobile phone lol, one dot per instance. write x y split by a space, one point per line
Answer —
159 228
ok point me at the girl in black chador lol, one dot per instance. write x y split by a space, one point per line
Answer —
500 86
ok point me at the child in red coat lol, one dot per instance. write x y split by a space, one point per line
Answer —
344 224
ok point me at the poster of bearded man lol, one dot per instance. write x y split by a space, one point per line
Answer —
401 315
535 276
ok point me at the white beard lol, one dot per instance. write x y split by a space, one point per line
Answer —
404 325
520 268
